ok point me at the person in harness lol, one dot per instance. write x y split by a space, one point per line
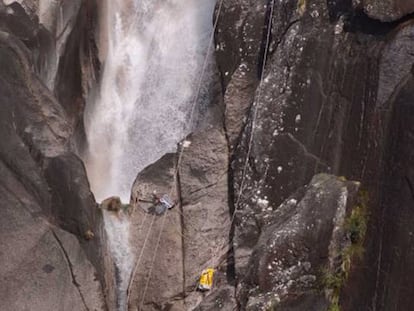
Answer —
159 204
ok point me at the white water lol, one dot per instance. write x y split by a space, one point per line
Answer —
117 228
154 53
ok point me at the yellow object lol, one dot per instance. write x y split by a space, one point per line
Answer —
206 279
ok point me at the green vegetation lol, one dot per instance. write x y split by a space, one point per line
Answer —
301 7
356 228
334 306
332 280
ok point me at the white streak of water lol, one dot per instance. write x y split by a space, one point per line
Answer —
154 52
117 229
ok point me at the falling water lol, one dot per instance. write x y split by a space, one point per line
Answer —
117 228
154 53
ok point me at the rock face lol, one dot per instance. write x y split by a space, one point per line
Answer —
157 279
297 241
386 10
330 86
334 79
192 236
46 208
308 89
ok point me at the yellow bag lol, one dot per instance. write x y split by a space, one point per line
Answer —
206 279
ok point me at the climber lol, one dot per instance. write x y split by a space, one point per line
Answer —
206 280
159 204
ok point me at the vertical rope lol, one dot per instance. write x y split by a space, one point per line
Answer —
139 259
181 152
255 110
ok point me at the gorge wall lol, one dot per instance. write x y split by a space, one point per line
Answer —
52 243
296 186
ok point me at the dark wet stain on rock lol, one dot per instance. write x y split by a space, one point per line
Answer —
48 268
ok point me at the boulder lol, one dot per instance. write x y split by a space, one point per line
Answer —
386 10
112 204
298 241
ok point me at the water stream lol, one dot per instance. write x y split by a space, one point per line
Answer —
153 55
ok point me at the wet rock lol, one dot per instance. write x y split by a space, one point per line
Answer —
59 18
391 211
74 204
60 39
324 106
221 299
44 267
157 278
297 241
238 98
386 10
70 284
394 66
194 233
206 220
78 67
395 270
241 37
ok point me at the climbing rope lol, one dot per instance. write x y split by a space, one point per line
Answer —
131 279
153 260
256 105
200 80
181 152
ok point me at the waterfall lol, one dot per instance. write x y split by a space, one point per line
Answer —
154 52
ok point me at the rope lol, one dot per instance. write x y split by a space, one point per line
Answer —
142 222
256 108
153 260
181 152
131 279
255 114
200 81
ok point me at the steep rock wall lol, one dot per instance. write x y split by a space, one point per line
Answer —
325 105
52 231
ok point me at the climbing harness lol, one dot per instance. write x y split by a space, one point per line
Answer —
158 205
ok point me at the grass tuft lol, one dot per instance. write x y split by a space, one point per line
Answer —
355 228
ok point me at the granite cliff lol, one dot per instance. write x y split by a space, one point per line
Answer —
297 184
